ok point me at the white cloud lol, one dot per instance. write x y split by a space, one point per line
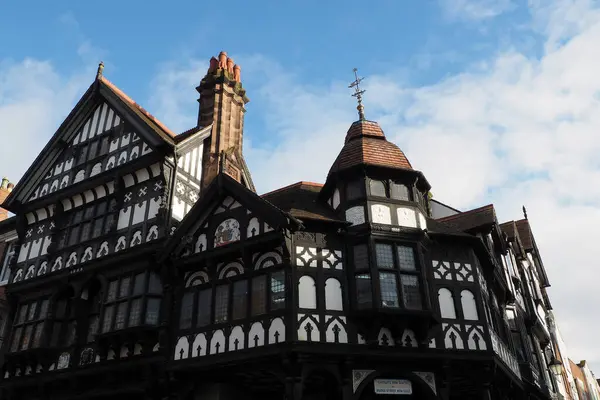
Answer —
512 130
34 99
475 10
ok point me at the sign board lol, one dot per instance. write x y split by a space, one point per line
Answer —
392 386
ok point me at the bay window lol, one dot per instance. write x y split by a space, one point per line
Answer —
29 325
398 274
234 298
131 301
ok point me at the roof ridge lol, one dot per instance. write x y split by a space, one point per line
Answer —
291 186
132 102
465 212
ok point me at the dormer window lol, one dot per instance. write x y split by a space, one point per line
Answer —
391 190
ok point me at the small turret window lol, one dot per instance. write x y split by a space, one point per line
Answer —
400 191
377 188
355 189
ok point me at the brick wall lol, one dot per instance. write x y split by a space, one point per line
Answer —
5 189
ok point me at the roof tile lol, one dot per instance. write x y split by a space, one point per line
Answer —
366 144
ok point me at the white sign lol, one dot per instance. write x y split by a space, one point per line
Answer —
392 386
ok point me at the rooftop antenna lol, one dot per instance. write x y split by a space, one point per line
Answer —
358 94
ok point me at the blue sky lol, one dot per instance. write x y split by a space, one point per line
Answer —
496 101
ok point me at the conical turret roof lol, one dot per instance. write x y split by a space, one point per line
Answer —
366 144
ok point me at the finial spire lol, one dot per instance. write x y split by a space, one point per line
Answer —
358 94
525 212
100 70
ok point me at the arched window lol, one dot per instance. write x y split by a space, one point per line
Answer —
469 306
333 295
63 322
307 292
132 300
446 300
377 188
399 191
93 302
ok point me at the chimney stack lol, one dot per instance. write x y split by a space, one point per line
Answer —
5 188
222 100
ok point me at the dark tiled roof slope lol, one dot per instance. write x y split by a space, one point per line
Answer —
471 219
301 201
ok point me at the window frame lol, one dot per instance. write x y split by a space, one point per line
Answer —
269 300
37 322
144 297
396 268
9 255
388 185
70 222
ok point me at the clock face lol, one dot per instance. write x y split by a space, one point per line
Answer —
381 214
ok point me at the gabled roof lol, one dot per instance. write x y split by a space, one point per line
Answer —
510 229
148 118
149 127
465 221
221 187
525 234
301 200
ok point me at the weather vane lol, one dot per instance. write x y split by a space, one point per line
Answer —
358 94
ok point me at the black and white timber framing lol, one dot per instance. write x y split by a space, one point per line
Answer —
131 278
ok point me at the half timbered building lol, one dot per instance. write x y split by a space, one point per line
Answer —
147 266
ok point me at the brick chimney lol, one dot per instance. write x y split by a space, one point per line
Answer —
222 100
5 188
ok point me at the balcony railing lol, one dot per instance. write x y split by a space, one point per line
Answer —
505 354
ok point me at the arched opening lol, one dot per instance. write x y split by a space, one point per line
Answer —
63 319
89 319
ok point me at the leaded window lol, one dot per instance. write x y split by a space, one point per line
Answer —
63 322
132 300
89 222
377 188
361 257
390 189
28 325
398 276
364 294
9 254
399 191
240 300
355 189
234 298
277 290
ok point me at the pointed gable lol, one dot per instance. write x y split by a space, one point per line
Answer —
226 213
104 130
103 142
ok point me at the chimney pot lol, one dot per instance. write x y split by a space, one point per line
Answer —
223 60
4 184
